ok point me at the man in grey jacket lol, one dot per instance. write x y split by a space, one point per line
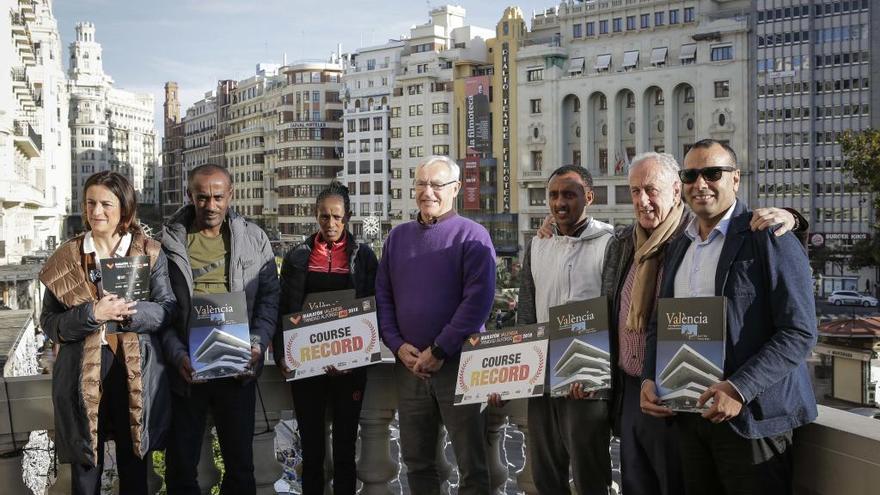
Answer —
568 432
211 249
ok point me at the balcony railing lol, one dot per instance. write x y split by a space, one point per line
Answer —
27 139
839 453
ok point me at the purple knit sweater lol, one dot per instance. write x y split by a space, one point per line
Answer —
436 283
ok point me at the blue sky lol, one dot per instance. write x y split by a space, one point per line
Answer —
197 42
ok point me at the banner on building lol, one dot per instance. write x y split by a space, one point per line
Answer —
476 90
471 183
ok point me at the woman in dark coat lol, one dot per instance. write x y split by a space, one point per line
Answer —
108 379
329 260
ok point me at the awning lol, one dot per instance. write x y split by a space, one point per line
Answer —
688 52
630 59
603 62
576 65
658 55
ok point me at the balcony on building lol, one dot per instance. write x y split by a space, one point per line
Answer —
547 46
26 139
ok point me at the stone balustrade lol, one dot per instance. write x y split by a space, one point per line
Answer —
839 453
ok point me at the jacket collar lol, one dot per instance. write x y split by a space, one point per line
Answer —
736 234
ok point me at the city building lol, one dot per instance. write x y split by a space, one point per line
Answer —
34 140
486 113
244 141
110 128
307 152
173 143
369 77
599 82
422 101
812 69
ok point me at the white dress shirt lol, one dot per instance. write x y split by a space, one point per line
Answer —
696 274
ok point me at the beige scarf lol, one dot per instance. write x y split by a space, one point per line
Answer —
647 246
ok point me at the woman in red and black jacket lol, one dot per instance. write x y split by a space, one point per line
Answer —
329 260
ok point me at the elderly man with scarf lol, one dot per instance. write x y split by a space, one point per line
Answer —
650 462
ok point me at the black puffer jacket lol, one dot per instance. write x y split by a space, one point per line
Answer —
68 319
362 266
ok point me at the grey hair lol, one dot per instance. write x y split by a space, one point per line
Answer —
453 167
667 163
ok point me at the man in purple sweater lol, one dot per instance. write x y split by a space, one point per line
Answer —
435 286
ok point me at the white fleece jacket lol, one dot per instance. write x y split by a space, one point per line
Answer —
568 268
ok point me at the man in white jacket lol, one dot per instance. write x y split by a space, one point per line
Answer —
569 432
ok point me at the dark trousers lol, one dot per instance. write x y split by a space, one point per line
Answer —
649 454
717 461
568 432
423 406
344 394
112 419
231 405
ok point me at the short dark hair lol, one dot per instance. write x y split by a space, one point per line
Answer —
335 189
709 142
208 169
585 174
120 186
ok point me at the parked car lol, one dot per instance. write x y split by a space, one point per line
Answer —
840 297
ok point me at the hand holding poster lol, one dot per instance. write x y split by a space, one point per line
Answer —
511 363
690 349
344 335
579 347
219 335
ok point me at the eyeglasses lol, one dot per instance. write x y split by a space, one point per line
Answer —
711 174
422 185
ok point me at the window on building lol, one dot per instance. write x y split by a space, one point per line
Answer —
577 30
395 132
659 18
416 151
537 196
673 16
440 129
440 149
364 167
378 165
658 56
590 29
535 105
395 112
617 24
576 66
722 89
630 59
688 54
603 62
723 52
415 110
603 27
378 144
440 107
377 123
415 131
689 98
535 74
645 21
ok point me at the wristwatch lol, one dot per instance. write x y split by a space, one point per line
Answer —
438 352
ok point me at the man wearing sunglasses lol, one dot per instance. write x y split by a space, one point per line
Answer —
434 287
650 463
742 443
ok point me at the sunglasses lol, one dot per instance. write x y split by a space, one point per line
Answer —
711 174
